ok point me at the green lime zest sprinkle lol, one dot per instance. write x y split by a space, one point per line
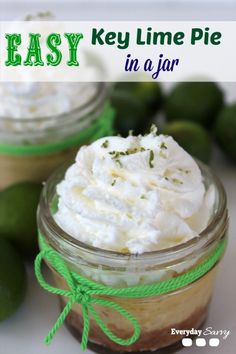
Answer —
117 154
119 163
151 158
115 157
105 144
114 182
185 171
176 181
131 151
163 145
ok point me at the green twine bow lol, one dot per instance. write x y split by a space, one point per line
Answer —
102 126
81 291
84 291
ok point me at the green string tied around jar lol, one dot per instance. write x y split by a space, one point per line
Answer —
87 293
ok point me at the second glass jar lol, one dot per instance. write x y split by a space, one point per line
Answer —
42 144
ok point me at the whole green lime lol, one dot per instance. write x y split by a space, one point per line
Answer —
192 137
225 131
130 113
149 93
18 206
199 102
12 279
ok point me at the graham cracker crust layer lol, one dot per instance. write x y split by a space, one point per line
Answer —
158 341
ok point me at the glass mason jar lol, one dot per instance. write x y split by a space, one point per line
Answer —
32 152
185 308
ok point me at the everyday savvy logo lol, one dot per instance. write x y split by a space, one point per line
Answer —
204 337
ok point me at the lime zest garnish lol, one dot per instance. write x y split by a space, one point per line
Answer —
105 144
119 163
176 181
114 182
163 145
151 158
185 171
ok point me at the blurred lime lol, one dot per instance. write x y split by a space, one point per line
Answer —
149 93
225 130
12 279
192 137
130 113
199 102
18 206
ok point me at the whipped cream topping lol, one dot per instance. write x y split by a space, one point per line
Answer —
134 194
42 99
24 104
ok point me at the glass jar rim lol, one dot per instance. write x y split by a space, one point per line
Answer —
95 100
200 241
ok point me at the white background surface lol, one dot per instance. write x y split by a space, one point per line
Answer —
122 10
23 333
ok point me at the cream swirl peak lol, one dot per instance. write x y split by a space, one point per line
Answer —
134 194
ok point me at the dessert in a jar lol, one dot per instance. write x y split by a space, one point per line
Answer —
42 125
134 213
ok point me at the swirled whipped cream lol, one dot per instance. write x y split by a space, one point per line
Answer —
134 194
36 106
42 99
